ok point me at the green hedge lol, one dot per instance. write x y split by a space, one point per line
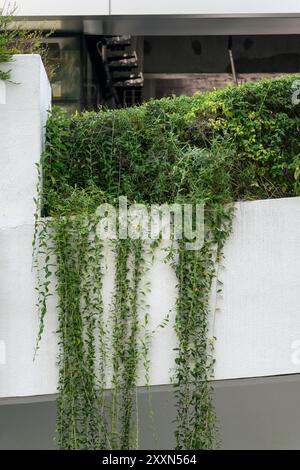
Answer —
156 152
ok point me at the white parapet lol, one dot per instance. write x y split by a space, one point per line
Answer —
256 320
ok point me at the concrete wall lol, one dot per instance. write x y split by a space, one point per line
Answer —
203 54
173 17
256 320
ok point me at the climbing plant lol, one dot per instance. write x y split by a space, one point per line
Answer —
240 143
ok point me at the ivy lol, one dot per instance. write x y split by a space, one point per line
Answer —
240 143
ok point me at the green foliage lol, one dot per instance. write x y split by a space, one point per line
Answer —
240 143
144 152
126 330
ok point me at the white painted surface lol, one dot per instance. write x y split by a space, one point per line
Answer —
22 119
200 7
21 376
62 8
256 320
2 92
163 7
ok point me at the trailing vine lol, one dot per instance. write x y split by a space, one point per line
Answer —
126 330
195 270
214 149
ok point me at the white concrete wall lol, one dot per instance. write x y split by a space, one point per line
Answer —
256 320
23 104
198 7
163 7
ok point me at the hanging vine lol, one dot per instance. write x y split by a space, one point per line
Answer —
80 425
212 149
196 419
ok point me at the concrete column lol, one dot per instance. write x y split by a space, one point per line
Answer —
24 103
